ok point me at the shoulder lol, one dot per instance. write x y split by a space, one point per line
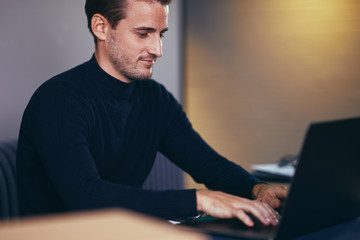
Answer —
70 78
69 82
66 88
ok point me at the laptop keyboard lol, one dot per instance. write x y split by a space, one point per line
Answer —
235 224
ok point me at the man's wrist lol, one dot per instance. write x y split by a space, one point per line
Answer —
199 200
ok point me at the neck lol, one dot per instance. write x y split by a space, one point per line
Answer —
106 64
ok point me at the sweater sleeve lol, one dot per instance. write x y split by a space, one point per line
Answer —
185 147
60 121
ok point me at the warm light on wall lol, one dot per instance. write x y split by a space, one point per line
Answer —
258 72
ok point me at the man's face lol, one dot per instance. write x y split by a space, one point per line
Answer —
135 44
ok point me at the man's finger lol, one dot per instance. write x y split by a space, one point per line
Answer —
244 218
261 211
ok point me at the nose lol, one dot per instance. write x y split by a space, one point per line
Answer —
155 47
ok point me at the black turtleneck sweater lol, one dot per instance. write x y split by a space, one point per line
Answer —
88 140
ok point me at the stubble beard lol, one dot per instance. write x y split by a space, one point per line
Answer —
123 64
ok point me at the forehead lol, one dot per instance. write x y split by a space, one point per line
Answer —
146 12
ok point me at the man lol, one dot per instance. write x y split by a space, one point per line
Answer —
89 136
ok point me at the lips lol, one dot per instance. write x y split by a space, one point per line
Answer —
148 62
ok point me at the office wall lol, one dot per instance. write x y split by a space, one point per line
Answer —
41 38
258 72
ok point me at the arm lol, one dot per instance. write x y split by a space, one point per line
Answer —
189 151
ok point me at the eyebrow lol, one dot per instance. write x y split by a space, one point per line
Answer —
149 29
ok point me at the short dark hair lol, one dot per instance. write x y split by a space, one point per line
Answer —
112 10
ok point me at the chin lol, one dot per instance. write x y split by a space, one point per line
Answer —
139 77
145 76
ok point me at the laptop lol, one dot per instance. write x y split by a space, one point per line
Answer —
323 192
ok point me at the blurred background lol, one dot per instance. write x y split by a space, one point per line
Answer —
259 71
251 74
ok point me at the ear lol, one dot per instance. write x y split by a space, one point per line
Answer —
99 26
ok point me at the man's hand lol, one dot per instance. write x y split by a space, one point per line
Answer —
272 195
222 205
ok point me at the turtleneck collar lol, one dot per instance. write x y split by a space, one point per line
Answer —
107 83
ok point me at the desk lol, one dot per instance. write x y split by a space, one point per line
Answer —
345 231
94 225
121 224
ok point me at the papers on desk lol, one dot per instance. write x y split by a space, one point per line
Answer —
275 169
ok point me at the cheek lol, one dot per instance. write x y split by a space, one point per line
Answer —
132 46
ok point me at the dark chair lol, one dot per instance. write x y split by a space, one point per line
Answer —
8 190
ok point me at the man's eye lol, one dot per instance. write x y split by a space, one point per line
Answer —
162 35
142 35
